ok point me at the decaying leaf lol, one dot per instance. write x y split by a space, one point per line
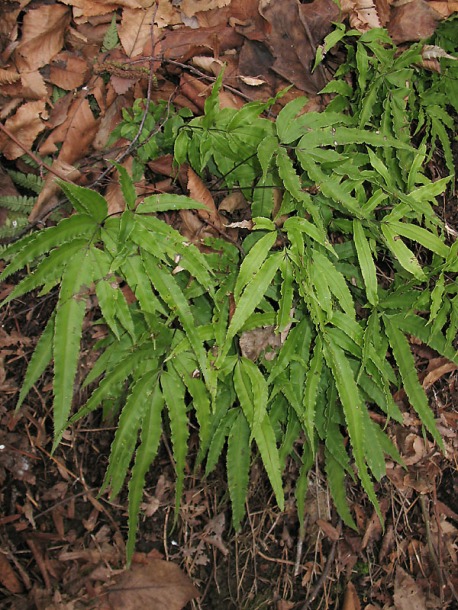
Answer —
407 594
159 585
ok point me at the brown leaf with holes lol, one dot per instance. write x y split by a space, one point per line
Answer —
42 38
159 585
407 594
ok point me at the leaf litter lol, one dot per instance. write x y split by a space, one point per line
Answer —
62 547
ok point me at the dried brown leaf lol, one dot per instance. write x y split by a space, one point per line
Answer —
199 192
68 71
135 30
8 577
191 7
25 125
407 594
351 599
76 133
159 585
8 76
42 37
412 21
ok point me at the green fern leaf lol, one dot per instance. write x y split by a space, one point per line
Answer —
20 204
127 187
336 477
85 201
112 382
40 359
45 240
111 39
49 271
27 181
252 394
238 467
218 438
70 312
406 364
125 440
114 307
336 283
133 270
311 389
186 366
145 456
171 293
253 261
422 236
287 293
163 241
174 391
249 299
416 326
402 253
317 233
366 262
352 407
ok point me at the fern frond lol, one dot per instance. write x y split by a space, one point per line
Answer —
44 241
27 181
174 394
238 467
18 204
130 421
68 330
145 456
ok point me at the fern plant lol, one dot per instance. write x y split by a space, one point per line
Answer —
353 263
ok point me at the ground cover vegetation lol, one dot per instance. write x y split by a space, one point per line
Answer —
288 339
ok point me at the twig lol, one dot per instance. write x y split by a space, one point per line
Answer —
319 585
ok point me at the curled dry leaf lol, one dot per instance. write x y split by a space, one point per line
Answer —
158 585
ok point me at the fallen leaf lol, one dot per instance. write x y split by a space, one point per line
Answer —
42 37
159 585
407 594
8 577
351 600
412 21
25 125
136 29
